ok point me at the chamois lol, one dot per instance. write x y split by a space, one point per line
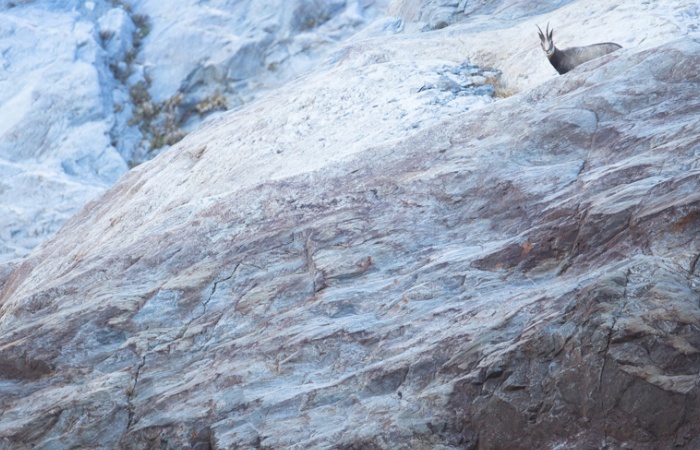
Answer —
565 60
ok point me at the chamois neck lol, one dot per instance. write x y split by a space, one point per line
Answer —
556 59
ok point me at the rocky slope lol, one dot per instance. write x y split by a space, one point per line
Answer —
90 88
55 150
367 265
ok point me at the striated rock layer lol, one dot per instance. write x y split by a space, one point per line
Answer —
521 276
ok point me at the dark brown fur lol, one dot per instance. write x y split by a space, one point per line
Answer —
568 58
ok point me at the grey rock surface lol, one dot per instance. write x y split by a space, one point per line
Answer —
389 263
90 88
236 48
437 14
399 261
55 149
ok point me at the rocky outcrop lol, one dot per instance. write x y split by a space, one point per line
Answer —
91 88
199 60
55 149
235 49
438 14
368 266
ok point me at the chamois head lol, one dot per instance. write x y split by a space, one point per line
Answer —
546 40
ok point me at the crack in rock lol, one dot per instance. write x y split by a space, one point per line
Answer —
607 348
131 390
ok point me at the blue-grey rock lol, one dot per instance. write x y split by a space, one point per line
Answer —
352 261
521 276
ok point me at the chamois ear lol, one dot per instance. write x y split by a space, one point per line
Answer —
540 33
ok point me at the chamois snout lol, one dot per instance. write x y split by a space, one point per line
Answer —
568 58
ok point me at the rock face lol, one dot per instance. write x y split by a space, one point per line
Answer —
235 47
201 59
397 263
437 14
89 88
55 149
